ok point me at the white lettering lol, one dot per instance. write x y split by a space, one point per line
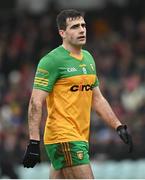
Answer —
71 69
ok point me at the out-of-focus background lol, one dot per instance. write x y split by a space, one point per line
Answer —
116 39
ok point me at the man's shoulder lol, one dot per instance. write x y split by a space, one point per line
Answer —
86 52
52 55
55 52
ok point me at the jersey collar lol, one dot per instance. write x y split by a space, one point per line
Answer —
77 57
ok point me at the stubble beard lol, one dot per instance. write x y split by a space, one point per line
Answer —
78 44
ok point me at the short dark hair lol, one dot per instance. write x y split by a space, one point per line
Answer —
64 14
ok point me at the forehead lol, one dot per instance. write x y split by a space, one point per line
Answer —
72 21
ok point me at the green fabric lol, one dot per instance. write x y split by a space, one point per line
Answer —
59 64
68 154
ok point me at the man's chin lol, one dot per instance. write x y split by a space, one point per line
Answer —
82 43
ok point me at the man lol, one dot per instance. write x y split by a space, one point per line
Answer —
66 78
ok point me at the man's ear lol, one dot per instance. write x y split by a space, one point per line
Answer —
62 33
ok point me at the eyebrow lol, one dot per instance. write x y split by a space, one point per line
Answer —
77 25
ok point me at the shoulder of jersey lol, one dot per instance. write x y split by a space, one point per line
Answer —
55 52
52 55
86 52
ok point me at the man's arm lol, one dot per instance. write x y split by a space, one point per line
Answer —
32 153
35 112
103 109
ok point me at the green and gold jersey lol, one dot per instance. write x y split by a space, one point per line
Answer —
69 81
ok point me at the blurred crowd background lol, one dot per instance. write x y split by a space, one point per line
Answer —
116 39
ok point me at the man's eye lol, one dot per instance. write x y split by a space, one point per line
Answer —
75 27
83 25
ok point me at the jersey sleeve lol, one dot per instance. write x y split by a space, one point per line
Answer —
46 74
96 82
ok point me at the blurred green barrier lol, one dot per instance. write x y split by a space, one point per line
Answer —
126 169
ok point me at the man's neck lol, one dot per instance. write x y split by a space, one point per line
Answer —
72 49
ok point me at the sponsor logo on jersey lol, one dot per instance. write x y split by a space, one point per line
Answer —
71 69
84 70
82 87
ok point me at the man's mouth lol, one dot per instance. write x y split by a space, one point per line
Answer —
81 37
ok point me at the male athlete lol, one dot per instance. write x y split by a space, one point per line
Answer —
66 79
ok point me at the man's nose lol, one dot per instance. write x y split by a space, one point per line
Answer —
82 30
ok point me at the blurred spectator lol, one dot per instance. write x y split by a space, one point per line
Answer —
32 6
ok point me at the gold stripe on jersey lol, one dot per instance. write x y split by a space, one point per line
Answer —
42 70
82 65
41 84
42 79
78 57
